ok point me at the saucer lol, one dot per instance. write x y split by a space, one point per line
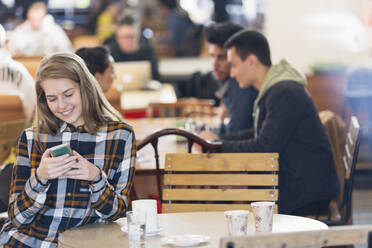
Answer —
148 234
184 240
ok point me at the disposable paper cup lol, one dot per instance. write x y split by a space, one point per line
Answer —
237 222
263 216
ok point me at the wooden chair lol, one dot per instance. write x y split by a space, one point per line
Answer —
11 108
9 134
181 108
217 182
85 41
31 63
340 209
113 96
334 236
153 139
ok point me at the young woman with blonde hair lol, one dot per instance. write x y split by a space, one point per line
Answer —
48 194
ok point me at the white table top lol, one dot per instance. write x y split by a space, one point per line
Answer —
184 66
212 224
140 99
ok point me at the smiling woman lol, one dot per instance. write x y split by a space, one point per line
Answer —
49 194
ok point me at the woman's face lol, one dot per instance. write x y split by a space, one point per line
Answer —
106 78
64 100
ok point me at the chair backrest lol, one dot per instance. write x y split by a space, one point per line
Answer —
9 134
31 63
113 96
153 139
334 236
336 132
349 160
85 41
11 108
181 108
217 182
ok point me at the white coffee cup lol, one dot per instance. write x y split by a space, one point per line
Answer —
263 216
237 222
150 207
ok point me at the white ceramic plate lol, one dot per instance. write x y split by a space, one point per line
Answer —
185 240
148 234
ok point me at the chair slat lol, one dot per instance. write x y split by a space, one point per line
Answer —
189 207
221 179
222 162
220 194
9 134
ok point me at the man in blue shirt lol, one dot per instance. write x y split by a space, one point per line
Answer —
236 103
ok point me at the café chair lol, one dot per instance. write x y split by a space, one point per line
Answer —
340 209
182 108
153 139
9 134
11 108
334 236
219 181
85 41
31 63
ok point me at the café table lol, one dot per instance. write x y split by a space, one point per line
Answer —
176 69
212 224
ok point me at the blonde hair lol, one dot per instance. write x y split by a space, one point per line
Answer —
96 109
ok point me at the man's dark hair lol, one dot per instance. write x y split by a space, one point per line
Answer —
170 4
248 42
219 33
95 58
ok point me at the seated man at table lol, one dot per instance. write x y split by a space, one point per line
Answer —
39 35
129 45
236 103
285 121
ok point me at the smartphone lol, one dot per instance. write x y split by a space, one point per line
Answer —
60 150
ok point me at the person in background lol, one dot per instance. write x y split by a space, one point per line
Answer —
183 35
286 122
105 26
39 35
100 63
14 79
49 194
128 44
236 103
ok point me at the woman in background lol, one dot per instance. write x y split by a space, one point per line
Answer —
48 194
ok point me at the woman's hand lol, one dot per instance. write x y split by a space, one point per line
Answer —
83 169
53 167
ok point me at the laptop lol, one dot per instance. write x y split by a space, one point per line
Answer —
133 75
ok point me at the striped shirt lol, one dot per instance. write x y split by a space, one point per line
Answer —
39 212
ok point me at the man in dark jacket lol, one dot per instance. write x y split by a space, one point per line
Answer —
286 122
